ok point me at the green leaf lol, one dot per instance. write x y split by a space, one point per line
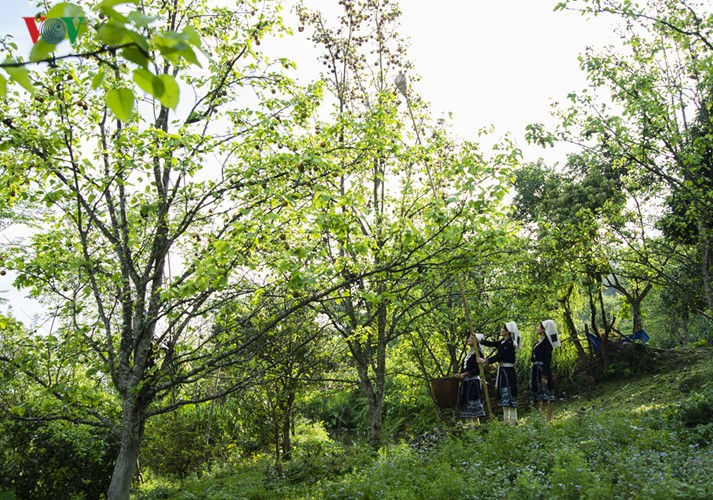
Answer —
98 79
171 92
138 39
173 46
136 55
112 33
21 75
41 50
192 35
166 42
114 16
109 4
121 102
194 117
189 55
107 8
18 410
65 9
3 86
141 20
149 83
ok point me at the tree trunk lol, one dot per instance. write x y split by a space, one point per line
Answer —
591 345
595 329
684 328
569 321
573 333
602 310
133 423
706 261
276 419
287 425
636 300
592 312
377 415
276 436
636 317
374 392
376 418
607 328
595 281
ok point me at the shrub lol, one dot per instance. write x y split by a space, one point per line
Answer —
697 409
56 459
176 444
340 410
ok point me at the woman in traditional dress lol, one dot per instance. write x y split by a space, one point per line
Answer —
541 385
506 378
471 390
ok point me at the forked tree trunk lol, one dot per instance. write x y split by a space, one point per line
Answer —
634 298
569 321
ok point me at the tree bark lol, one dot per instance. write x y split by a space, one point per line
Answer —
287 425
636 316
569 321
371 391
706 261
592 311
377 415
376 420
607 326
634 299
132 433
684 328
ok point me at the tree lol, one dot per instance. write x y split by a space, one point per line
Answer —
660 82
568 213
380 214
115 36
294 354
157 213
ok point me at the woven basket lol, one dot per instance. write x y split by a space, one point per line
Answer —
445 391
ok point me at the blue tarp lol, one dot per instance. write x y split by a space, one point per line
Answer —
596 343
641 336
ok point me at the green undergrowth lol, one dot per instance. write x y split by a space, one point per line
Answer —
644 437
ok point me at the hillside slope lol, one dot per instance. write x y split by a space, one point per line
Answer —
647 436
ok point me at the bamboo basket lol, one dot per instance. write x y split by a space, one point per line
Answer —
445 391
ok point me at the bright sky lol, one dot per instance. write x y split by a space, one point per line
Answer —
498 62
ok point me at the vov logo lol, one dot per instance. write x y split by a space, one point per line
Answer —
53 30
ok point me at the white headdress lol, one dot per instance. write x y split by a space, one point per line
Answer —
514 334
474 347
551 333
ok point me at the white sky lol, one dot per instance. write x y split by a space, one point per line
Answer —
497 62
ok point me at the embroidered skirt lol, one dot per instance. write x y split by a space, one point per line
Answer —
471 398
506 383
540 391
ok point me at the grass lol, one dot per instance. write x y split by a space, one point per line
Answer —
644 437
